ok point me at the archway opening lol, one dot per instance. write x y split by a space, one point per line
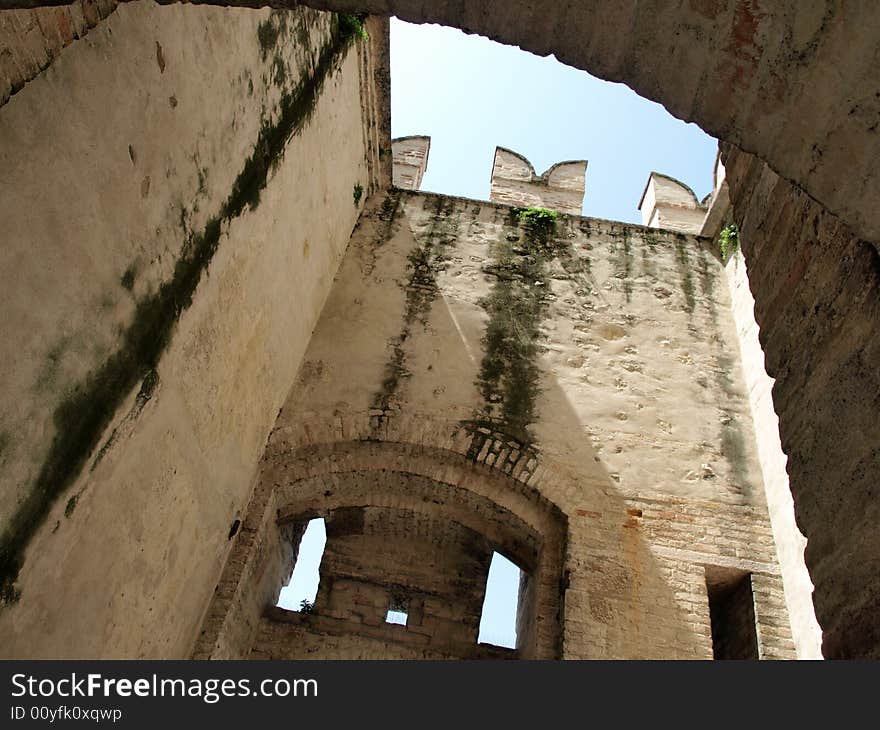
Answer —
300 592
477 94
499 619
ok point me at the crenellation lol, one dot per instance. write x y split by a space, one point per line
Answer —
410 160
515 182
232 310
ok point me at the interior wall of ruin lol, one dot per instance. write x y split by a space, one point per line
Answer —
599 367
791 68
790 542
33 39
816 287
792 82
162 270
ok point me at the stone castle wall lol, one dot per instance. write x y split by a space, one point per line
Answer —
161 283
598 367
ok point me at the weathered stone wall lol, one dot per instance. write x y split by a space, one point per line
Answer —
342 470
515 182
289 635
669 204
801 73
410 157
817 301
596 364
791 81
436 566
31 39
163 268
789 541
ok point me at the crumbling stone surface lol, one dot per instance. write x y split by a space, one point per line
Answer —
612 407
415 349
817 301
288 635
151 246
30 40
791 81
515 182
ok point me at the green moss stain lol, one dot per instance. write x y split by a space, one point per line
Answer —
352 26
733 448
71 505
279 70
509 376
624 265
707 285
424 263
649 251
202 189
269 31
728 241
90 405
5 442
685 273
48 375
128 277
148 387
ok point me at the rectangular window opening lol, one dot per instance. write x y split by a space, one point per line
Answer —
732 613
300 593
498 622
398 611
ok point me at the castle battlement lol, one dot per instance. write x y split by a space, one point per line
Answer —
666 203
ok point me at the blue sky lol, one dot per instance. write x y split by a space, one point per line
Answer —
498 624
470 95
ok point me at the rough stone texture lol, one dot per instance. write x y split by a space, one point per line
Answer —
587 380
817 301
147 209
670 204
31 39
410 161
428 484
289 635
801 75
515 182
789 541
378 557
791 81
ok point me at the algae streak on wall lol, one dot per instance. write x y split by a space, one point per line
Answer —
579 359
167 335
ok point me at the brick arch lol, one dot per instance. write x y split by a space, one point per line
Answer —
395 463
433 484
793 83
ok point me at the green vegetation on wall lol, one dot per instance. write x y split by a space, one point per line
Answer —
82 418
352 27
728 240
424 263
509 374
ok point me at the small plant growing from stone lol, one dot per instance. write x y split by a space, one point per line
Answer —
358 193
728 240
306 606
351 26
539 222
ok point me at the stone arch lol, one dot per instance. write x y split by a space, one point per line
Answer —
736 69
411 464
740 71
